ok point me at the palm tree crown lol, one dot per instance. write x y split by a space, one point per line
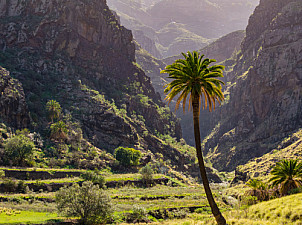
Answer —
194 78
287 174
54 109
59 131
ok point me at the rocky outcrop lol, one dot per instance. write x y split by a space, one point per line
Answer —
76 52
13 108
265 95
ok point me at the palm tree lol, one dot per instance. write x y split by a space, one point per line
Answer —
258 189
288 175
194 78
54 109
58 131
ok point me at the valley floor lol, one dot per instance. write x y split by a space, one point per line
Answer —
173 203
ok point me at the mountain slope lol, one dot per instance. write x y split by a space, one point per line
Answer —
289 148
75 51
195 23
13 108
265 87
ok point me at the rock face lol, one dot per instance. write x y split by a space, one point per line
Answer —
13 108
75 51
265 96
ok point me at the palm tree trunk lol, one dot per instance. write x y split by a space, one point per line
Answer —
215 210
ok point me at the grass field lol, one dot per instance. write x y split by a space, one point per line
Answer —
9 216
30 208
281 211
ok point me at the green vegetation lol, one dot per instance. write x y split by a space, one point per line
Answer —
288 175
193 77
13 186
88 203
286 210
256 184
139 214
58 131
289 148
171 203
10 216
94 177
19 149
127 156
147 174
54 109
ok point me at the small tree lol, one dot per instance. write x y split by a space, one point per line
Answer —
19 149
54 109
88 202
94 178
127 156
146 174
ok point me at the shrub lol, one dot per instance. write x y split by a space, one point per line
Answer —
21 187
19 149
127 156
256 184
88 202
12 186
2 174
146 174
139 214
94 178
258 190
178 213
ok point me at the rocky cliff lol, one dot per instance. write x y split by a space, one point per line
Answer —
75 51
13 108
265 87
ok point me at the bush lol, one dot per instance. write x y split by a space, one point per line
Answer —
178 213
2 174
12 186
139 214
127 156
146 174
88 202
94 178
19 149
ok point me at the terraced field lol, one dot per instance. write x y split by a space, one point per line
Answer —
165 196
167 202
